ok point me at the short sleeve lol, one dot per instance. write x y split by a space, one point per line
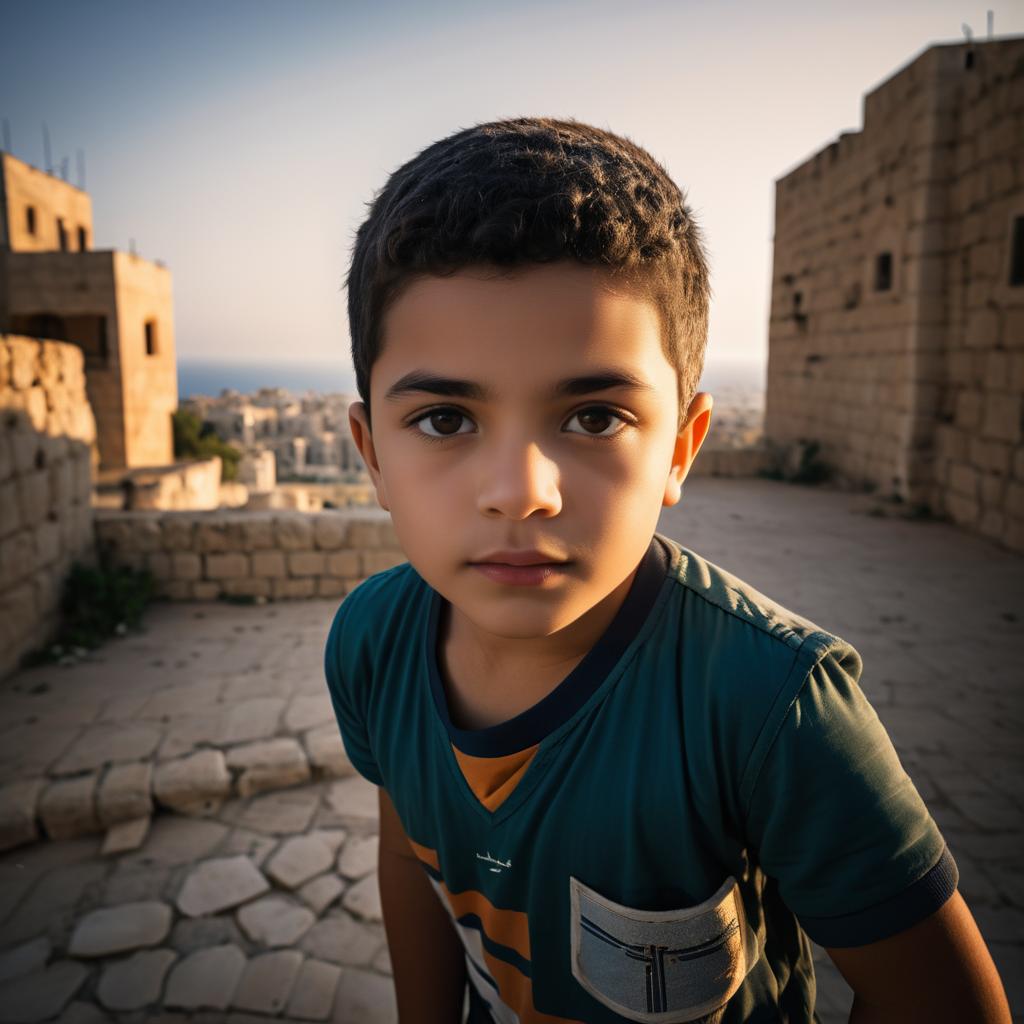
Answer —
348 690
836 820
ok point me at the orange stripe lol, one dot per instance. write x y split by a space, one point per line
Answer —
506 927
493 779
427 855
516 992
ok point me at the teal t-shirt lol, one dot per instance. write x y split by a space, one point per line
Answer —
656 839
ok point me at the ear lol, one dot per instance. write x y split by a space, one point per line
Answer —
360 428
688 442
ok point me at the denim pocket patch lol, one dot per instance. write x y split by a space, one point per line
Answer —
661 965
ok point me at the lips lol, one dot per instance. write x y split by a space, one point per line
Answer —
518 558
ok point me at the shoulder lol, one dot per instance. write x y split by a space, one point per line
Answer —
370 615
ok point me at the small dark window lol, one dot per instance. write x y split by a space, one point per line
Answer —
883 272
62 234
969 60
1017 251
150 337
83 240
30 219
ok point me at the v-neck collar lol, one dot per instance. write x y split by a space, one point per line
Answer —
532 725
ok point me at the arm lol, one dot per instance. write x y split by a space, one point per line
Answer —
939 970
427 957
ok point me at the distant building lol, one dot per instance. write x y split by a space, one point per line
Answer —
896 339
115 306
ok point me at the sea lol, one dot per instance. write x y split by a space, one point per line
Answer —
200 377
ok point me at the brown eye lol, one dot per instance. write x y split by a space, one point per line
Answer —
600 417
441 420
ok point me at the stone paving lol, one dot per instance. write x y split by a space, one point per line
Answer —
255 902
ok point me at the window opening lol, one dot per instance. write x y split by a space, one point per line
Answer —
883 272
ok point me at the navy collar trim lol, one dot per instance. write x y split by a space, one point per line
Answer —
532 725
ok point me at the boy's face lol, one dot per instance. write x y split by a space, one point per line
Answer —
580 476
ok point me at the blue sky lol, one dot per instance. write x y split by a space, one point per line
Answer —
239 140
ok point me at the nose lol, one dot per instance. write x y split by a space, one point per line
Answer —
518 479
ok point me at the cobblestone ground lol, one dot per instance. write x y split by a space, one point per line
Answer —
263 905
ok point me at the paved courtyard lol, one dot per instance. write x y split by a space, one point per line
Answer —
258 900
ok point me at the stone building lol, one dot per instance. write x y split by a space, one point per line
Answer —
115 306
896 338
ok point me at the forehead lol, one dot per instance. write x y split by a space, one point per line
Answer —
528 326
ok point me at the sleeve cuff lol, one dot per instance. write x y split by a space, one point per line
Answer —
905 909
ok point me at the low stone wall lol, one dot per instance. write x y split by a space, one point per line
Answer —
47 457
200 556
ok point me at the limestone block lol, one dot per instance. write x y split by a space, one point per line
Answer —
247 588
5 367
62 482
344 563
36 408
18 615
969 406
364 533
308 710
24 959
10 508
321 892
294 532
107 742
341 939
270 764
219 884
365 997
176 590
299 859
267 982
119 929
982 328
327 753
306 563
48 583
186 565
124 793
213 536
313 993
6 455
358 857
190 782
34 496
253 719
275 921
204 590
27 446
159 564
1015 499
1002 417
47 541
144 533
962 510
258 532
991 456
81 472
41 995
375 561
329 530
269 564
1013 327
296 588
135 982
125 836
331 586
232 565
354 797
206 979
177 532
24 361
18 812
67 807
363 899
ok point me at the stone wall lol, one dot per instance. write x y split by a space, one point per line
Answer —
47 455
200 556
896 337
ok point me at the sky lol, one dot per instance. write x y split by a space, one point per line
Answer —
240 141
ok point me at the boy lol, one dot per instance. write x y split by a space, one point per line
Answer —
616 782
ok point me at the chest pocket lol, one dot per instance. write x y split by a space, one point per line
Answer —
661 965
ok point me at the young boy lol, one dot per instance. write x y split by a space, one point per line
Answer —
616 782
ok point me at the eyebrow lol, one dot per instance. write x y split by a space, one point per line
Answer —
454 387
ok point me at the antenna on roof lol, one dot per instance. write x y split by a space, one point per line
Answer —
64 168
990 18
81 170
966 29
46 149
7 135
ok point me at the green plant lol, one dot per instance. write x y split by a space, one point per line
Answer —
102 601
194 439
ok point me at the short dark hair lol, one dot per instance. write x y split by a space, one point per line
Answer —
527 191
